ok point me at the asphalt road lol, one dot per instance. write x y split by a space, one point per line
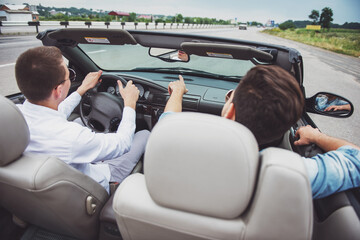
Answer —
10 48
323 71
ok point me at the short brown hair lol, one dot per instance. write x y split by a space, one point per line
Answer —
38 71
268 101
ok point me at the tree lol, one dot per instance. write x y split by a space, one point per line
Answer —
188 20
254 23
132 17
179 18
326 17
314 16
286 25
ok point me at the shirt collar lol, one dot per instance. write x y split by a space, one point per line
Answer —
42 109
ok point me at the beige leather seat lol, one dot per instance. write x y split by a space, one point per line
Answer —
43 190
205 179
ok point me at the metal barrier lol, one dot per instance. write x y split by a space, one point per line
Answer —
20 26
36 24
65 23
88 24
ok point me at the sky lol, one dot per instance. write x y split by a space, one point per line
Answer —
241 10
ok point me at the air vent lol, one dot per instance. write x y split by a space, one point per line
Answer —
176 78
190 103
158 99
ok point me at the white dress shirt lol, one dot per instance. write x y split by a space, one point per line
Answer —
52 134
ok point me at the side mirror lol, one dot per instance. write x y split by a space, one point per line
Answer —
329 104
169 55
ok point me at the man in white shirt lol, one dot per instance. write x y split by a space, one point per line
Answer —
44 79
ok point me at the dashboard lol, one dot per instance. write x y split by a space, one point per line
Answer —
205 95
111 86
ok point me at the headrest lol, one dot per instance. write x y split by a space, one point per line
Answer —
14 134
201 163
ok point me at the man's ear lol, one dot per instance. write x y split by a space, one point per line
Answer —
56 92
230 113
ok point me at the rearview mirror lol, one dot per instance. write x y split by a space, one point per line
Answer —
169 55
329 104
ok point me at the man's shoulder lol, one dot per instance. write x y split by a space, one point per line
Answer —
348 150
164 114
344 152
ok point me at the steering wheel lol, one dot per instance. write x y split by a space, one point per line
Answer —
102 111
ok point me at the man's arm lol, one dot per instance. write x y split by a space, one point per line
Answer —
334 171
130 94
99 146
89 82
338 107
176 90
310 135
68 105
127 126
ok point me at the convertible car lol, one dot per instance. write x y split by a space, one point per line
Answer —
194 183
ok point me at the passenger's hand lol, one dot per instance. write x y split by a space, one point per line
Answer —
332 108
183 56
130 94
338 107
307 135
177 86
89 82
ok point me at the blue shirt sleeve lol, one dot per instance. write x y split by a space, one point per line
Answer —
334 171
164 114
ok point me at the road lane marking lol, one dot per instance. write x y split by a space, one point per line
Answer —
3 44
7 65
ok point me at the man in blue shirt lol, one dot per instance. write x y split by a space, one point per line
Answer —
268 101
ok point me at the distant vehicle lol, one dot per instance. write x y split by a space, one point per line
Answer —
242 27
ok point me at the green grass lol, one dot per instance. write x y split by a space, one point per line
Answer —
345 41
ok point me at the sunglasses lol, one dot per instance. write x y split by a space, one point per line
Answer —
228 95
72 77
72 74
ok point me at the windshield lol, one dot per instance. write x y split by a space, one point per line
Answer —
137 58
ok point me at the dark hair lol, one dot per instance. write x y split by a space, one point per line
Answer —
38 71
268 101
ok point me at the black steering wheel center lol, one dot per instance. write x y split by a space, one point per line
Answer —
102 111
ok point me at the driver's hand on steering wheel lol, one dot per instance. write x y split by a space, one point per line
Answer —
89 82
307 135
130 94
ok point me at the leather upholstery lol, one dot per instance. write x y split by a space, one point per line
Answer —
14 136
175 159
43 190
205 179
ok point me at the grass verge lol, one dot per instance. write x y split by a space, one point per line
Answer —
345 41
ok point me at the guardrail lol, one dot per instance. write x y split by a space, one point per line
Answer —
10 26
